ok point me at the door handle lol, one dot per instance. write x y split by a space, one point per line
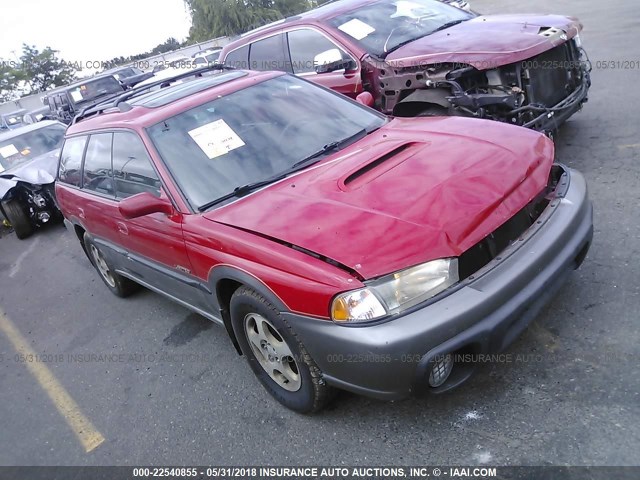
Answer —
122 228
80 212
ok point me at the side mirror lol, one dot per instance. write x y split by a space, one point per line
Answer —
365 98
144 204
331 60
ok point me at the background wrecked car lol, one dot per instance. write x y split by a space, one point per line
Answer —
425 58
28 164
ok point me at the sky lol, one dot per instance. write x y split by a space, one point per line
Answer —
90 30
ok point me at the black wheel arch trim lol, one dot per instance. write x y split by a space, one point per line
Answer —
221 273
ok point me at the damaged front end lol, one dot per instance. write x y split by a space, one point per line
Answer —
538 93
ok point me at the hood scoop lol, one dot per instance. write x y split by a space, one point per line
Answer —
379 166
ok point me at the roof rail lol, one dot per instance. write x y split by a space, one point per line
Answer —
119 102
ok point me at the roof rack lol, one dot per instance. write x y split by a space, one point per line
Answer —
120 103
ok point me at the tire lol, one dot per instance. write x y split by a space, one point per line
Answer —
119 285
295 382
18 218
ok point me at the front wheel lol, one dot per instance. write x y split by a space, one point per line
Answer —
276 355
18 218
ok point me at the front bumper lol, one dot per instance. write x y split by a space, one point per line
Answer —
485 314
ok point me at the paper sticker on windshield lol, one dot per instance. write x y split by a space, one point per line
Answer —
216 138
356 29
8 151
76 95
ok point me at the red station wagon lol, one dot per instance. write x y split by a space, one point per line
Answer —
339 247
426 58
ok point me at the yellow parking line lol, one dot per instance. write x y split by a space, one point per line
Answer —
89 437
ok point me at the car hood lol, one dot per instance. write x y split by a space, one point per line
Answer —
411 192
40 170
488 42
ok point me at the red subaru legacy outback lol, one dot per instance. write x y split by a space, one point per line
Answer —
340 248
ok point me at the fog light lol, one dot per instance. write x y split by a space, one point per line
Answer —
440 370
44 217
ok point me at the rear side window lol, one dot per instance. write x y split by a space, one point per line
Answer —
270 54
238 58
71 160
97 173
132 168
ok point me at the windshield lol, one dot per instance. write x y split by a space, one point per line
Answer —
13 120
30 145
254 134
383 26
94 89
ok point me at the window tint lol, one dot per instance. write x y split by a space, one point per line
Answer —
132 169
304 45
238 58
71 160
97 174
269 54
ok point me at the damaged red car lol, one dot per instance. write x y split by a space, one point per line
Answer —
426 58
339 248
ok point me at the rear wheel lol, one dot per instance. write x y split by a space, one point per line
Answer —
119 285
18 218
276 355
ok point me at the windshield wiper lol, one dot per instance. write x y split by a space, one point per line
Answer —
329 147
441 27
249 187
242 190
447 25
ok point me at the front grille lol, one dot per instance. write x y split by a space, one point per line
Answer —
552 75
497 241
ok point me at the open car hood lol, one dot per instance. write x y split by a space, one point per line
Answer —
411 192
37 171
488 42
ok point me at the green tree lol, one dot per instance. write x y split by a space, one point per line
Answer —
217 18
9 80
42 70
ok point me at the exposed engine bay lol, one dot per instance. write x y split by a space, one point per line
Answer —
538 93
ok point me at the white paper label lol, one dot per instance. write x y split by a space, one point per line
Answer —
8 151
216 138
357 29
13 120
76 95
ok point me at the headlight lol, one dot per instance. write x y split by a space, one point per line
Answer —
395 293
578 40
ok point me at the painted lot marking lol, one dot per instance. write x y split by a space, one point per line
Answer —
23 255
89 437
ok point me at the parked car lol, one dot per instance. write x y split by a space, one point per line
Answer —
207 57
339 247
12 120
130 76
28 166
425 58
37 115
65 103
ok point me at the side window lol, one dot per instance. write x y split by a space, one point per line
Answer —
97 174
304 45
132 169
71 160
238 58
270 54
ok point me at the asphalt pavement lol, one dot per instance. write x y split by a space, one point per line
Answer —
148 382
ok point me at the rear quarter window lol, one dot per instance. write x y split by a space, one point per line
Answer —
69 170
238 58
